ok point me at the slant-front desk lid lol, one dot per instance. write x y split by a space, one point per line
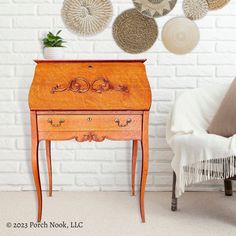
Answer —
90 85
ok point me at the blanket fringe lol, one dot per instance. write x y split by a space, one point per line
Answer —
222 168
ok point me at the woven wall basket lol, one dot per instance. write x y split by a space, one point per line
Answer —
216 4
86 17
133 32
154 8
180 35
195 9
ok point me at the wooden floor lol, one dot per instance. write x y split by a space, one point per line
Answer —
117 214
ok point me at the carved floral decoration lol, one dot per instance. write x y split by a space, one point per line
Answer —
81 85
91 136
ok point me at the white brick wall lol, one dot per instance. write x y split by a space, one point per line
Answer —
100 166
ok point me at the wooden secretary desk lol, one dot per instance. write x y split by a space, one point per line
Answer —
89 100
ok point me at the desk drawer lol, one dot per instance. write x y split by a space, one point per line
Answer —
89 122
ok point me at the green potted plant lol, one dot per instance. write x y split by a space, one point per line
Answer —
53 46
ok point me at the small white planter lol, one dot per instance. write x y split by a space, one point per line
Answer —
55 53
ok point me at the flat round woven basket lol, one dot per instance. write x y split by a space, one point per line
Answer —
180 35
195 9
86 17
133 32
216 4
154 8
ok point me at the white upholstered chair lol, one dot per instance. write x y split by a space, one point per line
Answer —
198 155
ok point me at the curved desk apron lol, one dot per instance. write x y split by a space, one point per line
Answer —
90 101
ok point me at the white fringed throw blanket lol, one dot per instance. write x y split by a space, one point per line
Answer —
199 156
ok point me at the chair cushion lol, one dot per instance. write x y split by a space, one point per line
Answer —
224 121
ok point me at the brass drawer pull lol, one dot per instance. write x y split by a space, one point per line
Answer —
56 125
123 125
89 119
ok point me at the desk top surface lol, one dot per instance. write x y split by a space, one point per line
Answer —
90 85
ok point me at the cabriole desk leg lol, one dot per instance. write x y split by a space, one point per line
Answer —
145 156
35 165
134 160
49 164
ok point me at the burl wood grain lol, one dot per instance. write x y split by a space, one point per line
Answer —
130 74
